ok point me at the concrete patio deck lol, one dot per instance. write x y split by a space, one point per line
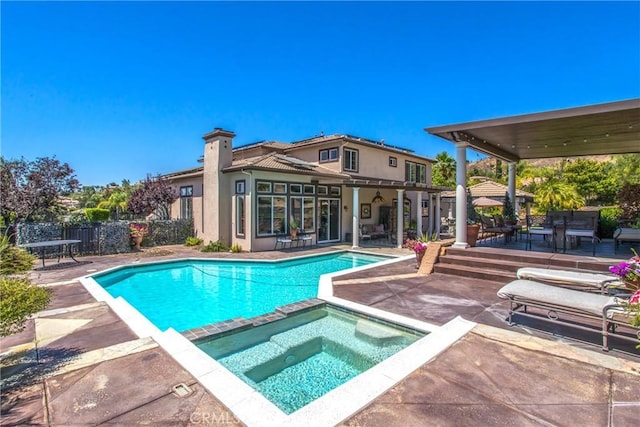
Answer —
77 363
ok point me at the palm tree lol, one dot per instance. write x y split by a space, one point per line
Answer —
444 170
554 195
117 202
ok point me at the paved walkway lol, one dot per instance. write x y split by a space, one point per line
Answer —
78 364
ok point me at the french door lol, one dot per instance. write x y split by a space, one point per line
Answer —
329 230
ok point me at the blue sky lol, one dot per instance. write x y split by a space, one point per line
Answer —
125 89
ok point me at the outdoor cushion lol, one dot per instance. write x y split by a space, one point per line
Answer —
595 280
556 296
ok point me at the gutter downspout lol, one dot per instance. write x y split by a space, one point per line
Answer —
248 191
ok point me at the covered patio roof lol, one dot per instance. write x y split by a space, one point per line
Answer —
611 128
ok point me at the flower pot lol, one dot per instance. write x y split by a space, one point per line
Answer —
632 285
419 255
472 234
136 240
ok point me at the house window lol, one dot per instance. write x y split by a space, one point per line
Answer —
296 188
240 186
263 187
415 172
303 211
328 155
393 162
335 191
240 216
280 188
309 189
323 190
350 160
425 207
186 202
272 214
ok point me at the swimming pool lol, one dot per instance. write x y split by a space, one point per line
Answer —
190 293
296 360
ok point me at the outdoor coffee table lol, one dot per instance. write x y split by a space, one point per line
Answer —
51 244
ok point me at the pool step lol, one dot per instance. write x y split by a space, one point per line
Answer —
376 333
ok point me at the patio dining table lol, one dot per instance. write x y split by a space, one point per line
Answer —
60 244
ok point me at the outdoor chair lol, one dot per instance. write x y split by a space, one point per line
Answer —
539 225
625 235
581 224
364 233
570 308
487 227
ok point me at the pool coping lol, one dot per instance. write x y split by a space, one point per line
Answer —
251 407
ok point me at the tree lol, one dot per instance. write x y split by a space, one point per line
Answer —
508 211
593 180
29 190
444 171
629 197
627 169
117 203
155 195
553 195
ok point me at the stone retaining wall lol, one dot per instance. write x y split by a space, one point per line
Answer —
113 236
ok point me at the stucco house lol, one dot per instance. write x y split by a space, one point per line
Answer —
327 184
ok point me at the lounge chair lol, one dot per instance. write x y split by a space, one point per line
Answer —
574 279
558 302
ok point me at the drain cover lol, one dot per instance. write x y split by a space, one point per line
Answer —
181 390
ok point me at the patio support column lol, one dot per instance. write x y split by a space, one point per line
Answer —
436 216
400 218
419 212
431 217
461 196
355 225
512 186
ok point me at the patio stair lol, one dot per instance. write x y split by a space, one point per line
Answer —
500 265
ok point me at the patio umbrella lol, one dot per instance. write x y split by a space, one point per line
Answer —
485 202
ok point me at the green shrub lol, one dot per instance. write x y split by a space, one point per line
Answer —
236 248
97 214
193 241
608 221
215 247
13 260
19 299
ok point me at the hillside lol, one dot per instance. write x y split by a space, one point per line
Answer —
489 163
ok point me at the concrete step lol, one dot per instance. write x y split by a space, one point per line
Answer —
494 263
494 275
531 259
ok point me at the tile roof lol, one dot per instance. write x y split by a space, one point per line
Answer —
489 189
282 163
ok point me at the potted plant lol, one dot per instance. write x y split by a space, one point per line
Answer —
293 228
473 227
508 212
418 245
137 232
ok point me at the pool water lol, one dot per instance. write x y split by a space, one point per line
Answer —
299 359
191 293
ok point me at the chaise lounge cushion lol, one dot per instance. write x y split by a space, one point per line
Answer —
594 280
549 295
